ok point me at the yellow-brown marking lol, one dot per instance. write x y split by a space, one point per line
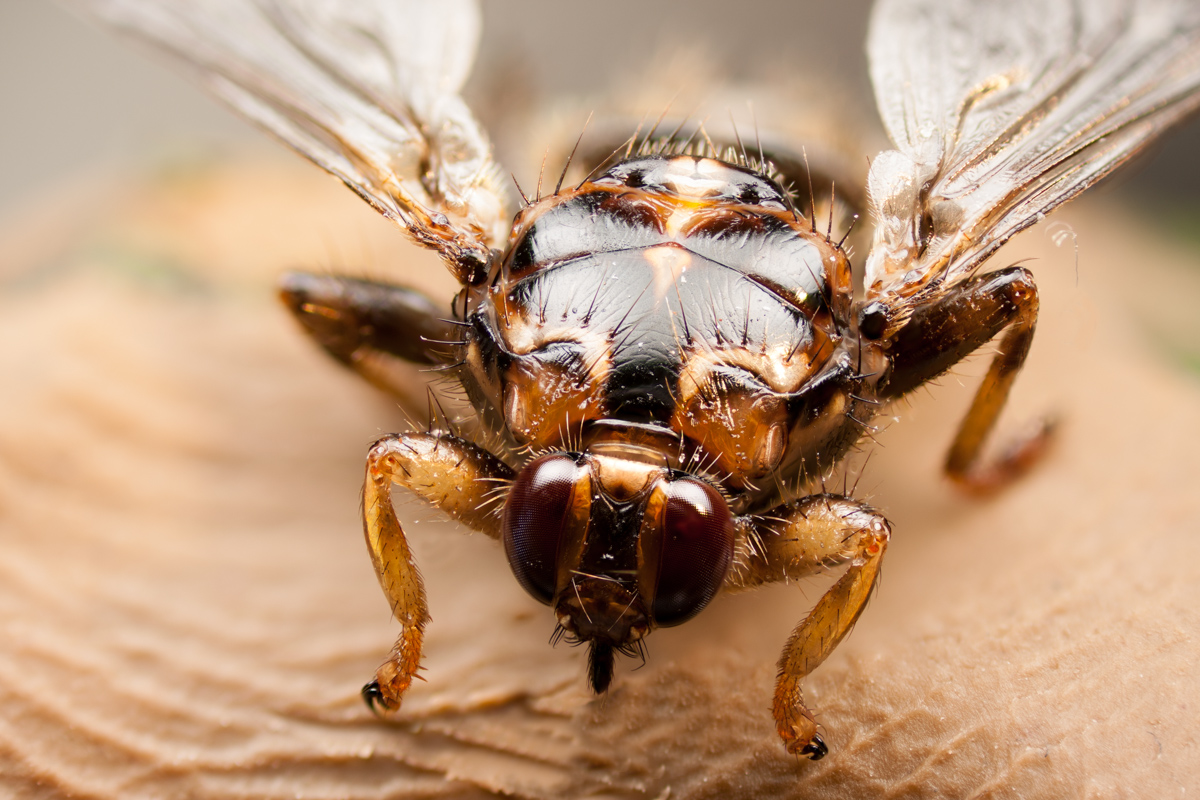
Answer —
669 262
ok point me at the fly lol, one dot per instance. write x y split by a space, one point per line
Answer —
660 359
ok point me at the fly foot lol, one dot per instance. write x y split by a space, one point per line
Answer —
798 730
372 695
1026 450
385 692
815 749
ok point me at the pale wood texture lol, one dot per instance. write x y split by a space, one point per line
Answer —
187 608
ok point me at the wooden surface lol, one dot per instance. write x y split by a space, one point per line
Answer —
187 608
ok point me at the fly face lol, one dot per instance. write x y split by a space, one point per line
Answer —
664 356
616 546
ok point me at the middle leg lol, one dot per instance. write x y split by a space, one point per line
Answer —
941 334
389 335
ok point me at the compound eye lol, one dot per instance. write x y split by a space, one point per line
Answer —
536 517
697 546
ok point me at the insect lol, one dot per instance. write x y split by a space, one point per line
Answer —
663 357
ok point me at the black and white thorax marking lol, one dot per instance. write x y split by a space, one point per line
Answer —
678 294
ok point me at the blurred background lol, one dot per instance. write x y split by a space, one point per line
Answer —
76 99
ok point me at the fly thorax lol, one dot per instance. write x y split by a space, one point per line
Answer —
678 291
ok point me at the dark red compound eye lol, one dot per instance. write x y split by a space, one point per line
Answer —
697 546
536 515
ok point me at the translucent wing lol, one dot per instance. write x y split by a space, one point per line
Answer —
1001 111
366 89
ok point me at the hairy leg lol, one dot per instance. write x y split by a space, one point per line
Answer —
952 328
797 539
450 473
384 333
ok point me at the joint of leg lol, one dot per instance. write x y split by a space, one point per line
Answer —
1020 279
872 538
1020 289
382 456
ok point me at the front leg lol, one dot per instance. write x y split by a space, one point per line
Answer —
453 474
797 539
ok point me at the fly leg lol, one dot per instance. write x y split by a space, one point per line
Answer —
458 477
367 326
941 334
794 540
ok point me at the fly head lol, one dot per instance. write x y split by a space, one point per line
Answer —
617 547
